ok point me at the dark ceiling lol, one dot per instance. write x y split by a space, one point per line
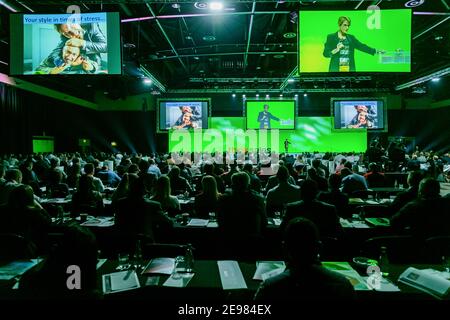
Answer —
185 46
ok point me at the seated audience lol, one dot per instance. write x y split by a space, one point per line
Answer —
178 184
322 183
86 199
304 278
323 215
48 280
209 170
162 194
335 197
375 178
55 187
24 216
402 198
137 215
13 178
255 183
108 177
241 213
89 170
284 193
427 216
352 182
207 200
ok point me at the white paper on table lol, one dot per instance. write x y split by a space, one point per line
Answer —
263 267
178 280
194 222
120 281
231 275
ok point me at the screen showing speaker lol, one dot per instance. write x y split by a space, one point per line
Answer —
270 114
355 41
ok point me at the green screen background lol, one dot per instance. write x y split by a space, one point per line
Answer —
311 134
284 110
314 26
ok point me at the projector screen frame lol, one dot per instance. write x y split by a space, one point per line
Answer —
333 120
190 99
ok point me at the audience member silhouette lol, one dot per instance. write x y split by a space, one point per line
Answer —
24 216
402 198
335 197
427 216
207 200
86 199
169 203
304 278
323 215
137 215
284 193
49 280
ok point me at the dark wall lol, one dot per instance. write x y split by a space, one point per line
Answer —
24 114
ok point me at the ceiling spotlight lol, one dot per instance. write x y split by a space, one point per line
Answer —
209 38
414 3
290 80
296 95
305 94
147 81
257 95
289 35
216 5
243 96
234 95
281 95
267 96
201 5
435 79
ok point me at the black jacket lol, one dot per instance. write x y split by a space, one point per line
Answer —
331 44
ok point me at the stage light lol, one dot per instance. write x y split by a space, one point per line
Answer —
291 80
243 96
113 144
305 94
434 75
234 95
435 79
216 5
296 95
267 96
281 95
147 81
257 95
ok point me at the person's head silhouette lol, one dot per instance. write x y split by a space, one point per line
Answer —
301 243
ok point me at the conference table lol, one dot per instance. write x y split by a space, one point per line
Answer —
207 283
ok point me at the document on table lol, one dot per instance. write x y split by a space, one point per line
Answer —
194 222
231 275
179 280
120 281
268 269
347 271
